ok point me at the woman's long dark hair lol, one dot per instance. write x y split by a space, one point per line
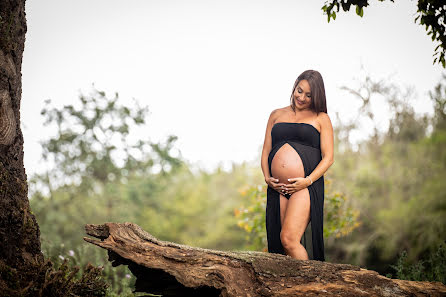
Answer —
318 100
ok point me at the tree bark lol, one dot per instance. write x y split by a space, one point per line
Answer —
172 269
19 231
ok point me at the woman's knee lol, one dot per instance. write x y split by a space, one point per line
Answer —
288 239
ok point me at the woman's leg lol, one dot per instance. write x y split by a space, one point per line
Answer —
283 206
297 217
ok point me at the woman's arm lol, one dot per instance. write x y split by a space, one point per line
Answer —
326 148
267 146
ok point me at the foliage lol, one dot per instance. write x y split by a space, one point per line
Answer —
431 269
430 13
340 218
119 279
251 216
439 99
196 208
44 280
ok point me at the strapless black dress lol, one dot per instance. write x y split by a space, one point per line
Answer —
305 139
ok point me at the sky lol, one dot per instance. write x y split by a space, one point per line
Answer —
211 72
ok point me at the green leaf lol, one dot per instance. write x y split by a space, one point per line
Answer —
359 10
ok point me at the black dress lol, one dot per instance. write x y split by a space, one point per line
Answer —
305 139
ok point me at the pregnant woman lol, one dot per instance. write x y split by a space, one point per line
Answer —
297 151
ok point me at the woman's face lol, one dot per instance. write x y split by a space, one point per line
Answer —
302 95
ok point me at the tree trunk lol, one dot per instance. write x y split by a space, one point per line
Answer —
19 232
172 269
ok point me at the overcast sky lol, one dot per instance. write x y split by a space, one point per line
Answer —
211 72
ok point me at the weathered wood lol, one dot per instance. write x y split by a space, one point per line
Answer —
173 269
7 120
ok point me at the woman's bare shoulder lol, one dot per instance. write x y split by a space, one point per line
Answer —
323 118
323 115
282 110
279 111
276 114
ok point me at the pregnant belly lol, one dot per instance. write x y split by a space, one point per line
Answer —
286 164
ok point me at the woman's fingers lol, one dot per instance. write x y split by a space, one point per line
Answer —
294 182
279 187
294 185
277 184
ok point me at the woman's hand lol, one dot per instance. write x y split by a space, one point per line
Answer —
296 184
274 183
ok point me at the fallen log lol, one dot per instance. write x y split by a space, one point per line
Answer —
172 269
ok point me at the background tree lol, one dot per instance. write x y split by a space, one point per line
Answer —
92 144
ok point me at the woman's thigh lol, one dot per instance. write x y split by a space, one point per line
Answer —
283 207
297 214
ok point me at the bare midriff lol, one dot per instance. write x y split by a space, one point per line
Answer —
286 164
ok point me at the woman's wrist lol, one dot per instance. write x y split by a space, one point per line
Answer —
310 180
